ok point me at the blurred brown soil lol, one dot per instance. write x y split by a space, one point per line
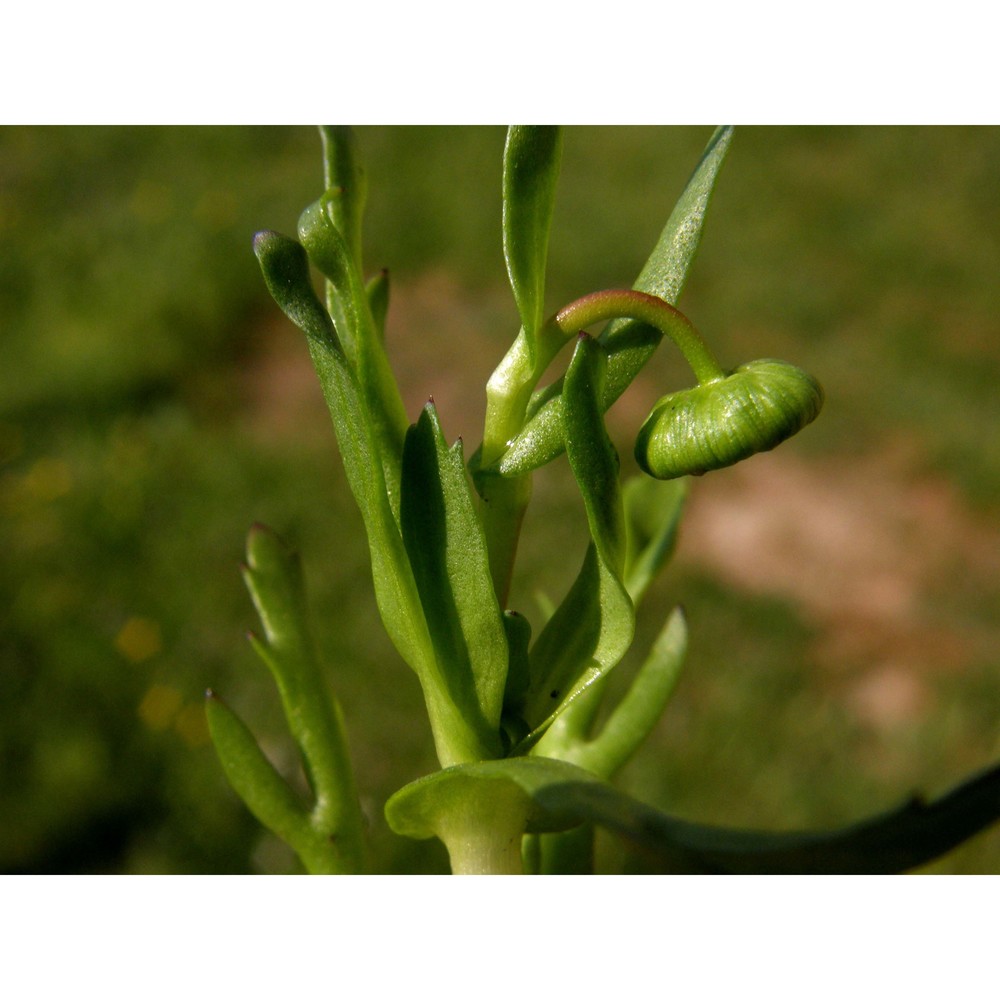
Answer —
866 549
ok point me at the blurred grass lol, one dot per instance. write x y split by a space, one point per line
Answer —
153 405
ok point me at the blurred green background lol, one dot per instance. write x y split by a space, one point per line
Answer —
843 592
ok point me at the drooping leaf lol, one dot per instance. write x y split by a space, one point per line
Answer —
531 167
629 343
542 795
896 841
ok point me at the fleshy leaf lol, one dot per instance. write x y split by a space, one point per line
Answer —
635 716
362 340
593 627
273 576
535 794
268 796
531 167
481 811
286 272
444 541
629 343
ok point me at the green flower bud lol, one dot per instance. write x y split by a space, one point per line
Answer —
725 420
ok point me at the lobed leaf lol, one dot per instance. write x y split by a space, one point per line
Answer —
269 797
636 715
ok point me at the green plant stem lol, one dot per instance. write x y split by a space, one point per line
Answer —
504 500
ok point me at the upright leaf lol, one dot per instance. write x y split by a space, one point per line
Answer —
530 170
444 540
286 271
592 629
360 336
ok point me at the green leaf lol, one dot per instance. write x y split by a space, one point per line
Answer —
652 517
286 272
593 627
362 340
447 552
518 631
273 576
629 343
635 716
481 811
893 842
268 796
534 794
531 168
285 267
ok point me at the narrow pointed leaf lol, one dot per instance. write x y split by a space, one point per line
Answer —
629 343
285 267
447 551
531 167
593 627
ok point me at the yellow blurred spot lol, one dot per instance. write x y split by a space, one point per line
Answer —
160 706
150 201
192 725
48 479
139 639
